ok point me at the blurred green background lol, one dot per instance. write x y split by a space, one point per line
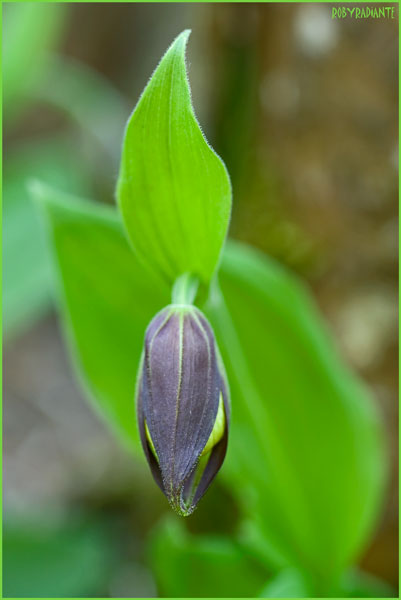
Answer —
303 109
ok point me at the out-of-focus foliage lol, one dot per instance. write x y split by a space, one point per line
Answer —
197 566
67 559
32 75
288 583
174 191
32 30
356 584
90 101
26 265
291 583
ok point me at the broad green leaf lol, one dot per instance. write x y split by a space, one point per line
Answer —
26 265
107 300
174 191
305 450
205 566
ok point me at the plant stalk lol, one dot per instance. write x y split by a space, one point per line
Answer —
185 289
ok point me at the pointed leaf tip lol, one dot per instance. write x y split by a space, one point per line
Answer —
173 191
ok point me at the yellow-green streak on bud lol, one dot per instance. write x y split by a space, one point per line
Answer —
215 436
182 405
218 429
152 447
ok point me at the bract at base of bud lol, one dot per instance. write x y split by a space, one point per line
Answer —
182 405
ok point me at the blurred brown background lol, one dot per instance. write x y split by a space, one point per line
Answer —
303 109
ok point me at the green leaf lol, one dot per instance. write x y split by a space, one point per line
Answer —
305 454
306 446
205 566
26 265
174 191
107 301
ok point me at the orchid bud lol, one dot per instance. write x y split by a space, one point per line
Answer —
182 405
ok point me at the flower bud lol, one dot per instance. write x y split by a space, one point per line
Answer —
182 405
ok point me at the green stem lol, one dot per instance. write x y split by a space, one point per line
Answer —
185 289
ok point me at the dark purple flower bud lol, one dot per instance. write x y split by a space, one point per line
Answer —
183 405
